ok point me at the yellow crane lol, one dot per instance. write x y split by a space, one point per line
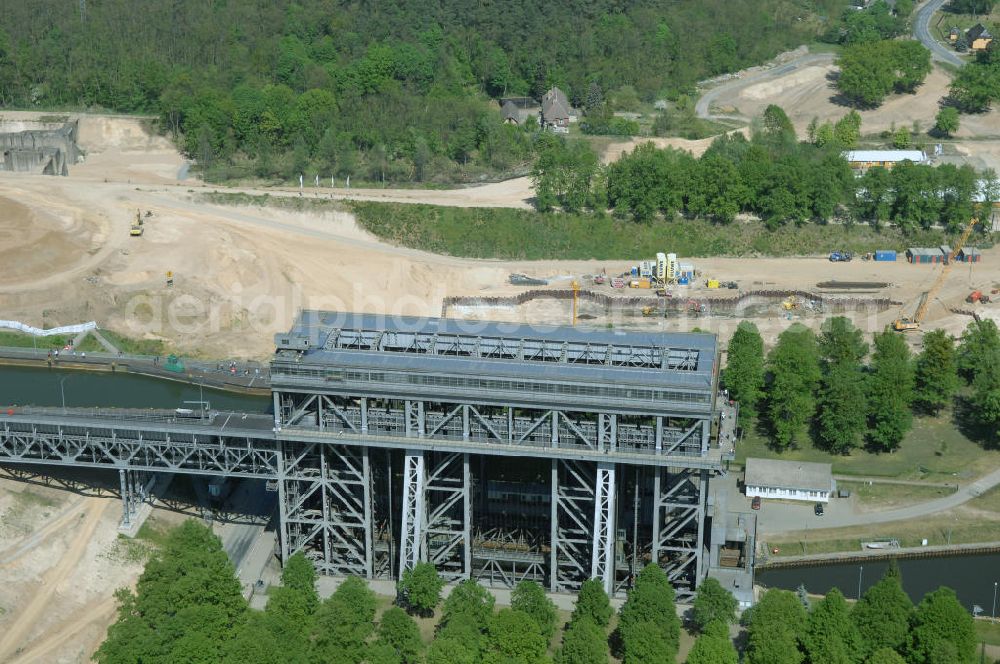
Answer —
910 324
576 297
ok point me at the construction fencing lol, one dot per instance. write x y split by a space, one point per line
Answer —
38 332
713 305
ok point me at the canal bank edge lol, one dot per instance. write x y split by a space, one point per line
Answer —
937 551
114 366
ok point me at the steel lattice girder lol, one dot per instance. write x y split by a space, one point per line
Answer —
678 525
207 455
326 506
582 527
448 501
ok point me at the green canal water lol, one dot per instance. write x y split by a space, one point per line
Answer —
22 386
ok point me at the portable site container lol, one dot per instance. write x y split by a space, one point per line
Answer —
634 271
924 255
646 269
713 283
969 255
661 266
885 255
683 281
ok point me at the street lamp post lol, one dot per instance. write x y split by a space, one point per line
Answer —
995 601
860 570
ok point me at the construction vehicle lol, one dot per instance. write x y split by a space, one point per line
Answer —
912 324
649 311
136 229
790 302
974 297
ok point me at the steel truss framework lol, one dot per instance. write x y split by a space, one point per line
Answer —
337 500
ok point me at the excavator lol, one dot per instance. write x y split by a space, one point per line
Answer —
913 324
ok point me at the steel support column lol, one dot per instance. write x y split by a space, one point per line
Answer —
446 538
413 510
602 564
678 525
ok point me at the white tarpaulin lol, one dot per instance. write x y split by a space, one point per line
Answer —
36 332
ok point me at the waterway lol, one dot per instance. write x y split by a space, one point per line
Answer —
972 577
24 386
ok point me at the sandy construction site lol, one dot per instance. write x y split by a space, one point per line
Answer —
241 273
60 564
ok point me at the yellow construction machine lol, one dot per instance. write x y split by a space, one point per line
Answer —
790 302
912 324
136 229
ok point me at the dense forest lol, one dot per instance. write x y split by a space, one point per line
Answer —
380 90
187 607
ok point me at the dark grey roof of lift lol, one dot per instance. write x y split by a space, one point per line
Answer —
507 349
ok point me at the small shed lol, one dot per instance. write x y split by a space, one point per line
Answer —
969 255
924 255
790 480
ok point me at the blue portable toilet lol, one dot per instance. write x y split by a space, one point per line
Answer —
683 281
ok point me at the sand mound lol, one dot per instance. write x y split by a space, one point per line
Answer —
98 133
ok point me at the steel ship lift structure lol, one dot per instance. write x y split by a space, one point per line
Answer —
393 441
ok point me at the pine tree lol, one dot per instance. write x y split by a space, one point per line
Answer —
794 374
935 379
882 615
713 646
890 392
831 637
648 622
592 602
744 373
941 626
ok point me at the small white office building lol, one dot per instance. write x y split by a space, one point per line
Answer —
790 480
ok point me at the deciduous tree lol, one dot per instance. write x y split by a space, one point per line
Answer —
935 379
713 603
744 373
583 643
399 634
420 588
529 597
890 392
793 376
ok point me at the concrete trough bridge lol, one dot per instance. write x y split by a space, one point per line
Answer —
503 453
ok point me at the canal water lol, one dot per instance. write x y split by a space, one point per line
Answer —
23 386
971 576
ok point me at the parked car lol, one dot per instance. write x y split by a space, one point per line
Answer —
818 510
755 503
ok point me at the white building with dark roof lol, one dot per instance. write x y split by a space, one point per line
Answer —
790 480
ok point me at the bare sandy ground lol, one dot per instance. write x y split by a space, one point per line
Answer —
60 563
242 273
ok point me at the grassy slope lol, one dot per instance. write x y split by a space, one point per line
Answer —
501 233
935 450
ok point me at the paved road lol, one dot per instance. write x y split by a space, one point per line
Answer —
921 30
704 105
779 518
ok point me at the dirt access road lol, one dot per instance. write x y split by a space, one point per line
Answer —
60 563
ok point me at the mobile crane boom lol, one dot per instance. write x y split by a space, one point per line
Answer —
908 324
